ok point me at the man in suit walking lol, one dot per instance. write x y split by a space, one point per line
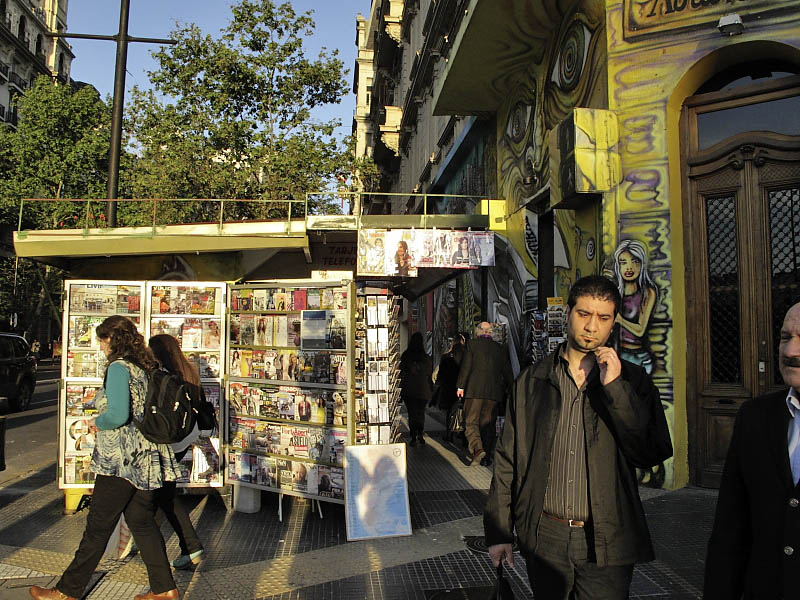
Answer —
754 550
483 379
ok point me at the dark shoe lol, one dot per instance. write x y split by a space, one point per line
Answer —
41 593
486 461
477 457
184 561
412 442
421 440
170 595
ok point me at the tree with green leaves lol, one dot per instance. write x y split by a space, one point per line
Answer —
232 117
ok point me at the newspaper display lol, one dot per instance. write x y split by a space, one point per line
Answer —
288 408
400 252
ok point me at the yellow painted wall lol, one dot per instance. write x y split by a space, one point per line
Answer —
658 56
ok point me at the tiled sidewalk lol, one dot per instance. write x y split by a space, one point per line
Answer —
308 557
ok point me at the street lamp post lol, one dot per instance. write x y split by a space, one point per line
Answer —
122 39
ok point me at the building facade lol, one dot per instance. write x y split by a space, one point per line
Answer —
26 50
693 114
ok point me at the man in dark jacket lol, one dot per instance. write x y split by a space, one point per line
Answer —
483 379
754 550
564 479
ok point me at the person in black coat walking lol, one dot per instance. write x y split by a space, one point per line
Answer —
416 370
447 380
754 550
483 381
578 425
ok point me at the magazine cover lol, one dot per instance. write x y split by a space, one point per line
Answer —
210 334
336 329
299 299
337 409
319 406
315 329
270 371
339 368
76 469
300 477
313 299
247 463
285 474
336 447
261 476
372 252
302 407
294 335
264 326
86 363
339 299
205 463
206 363
259 299
281 338
82 331
191 334
270 404
316 443
299 441
286 440
79 440
203 300
400 250
185 468
245 299
337 483
237 392
285 404
81 400
257 365
233 465
248 330
246 362
236 329
167 326
326 299
281 301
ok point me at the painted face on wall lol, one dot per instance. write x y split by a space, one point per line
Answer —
629 266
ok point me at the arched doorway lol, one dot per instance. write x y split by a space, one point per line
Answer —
741 204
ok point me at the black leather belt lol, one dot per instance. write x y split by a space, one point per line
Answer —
570 522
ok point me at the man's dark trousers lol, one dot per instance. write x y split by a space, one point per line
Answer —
563 568
480 417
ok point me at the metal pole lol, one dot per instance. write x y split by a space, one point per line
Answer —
116 117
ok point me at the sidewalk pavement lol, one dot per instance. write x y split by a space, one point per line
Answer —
307 557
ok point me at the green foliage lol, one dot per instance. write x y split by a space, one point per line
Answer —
59 150
231 117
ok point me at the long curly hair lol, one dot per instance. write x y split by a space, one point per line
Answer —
126 342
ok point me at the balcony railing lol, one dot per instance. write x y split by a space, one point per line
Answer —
4 69
19 82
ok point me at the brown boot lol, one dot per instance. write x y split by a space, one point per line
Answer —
41 593
170 595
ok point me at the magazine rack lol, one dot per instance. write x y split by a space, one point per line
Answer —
377 377
191 311
289 368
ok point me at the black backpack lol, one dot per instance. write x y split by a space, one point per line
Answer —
168 412
204 412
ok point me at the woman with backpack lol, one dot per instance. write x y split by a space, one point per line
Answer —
170 357
415 376
128 468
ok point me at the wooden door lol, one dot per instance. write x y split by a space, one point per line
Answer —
742 230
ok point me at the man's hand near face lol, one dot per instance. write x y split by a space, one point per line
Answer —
609 363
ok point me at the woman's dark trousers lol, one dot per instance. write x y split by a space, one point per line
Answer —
177 515
416 417
112 497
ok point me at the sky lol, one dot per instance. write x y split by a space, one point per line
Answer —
94 61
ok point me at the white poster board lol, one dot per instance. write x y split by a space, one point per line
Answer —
376 491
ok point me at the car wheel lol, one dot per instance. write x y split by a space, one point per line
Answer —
24 395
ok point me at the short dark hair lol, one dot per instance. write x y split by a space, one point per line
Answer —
596 286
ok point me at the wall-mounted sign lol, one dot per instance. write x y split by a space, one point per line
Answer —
648 17
400 252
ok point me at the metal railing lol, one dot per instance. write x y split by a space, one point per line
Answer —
90 213
159 214
15 79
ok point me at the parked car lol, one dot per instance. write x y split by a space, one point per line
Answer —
17 371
